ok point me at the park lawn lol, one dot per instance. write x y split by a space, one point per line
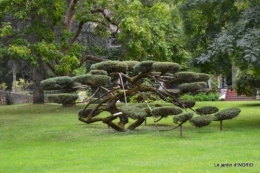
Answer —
49 139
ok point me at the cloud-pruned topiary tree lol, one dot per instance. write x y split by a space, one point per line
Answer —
121 79
65 85
129 78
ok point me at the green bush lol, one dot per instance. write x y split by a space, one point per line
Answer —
63 98
211 96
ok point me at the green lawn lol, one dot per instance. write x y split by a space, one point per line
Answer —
49 138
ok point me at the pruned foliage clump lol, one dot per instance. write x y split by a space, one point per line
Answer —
185 103
64 98
227 114
166 67
166 111
201 121
110 66
93 80
207 110
182 118
98 72
57 83
188 77
133 111
144 67
191 87
131 65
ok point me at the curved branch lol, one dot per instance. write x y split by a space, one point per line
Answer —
68 18
90 57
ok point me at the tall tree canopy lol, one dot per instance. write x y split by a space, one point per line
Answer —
47 32
239 42
203 22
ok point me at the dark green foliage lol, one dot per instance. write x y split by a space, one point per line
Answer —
98 72
144 67
110 66
247 84
182 118
201 121
166 111
191 87
64 99
206 110
227 114
93 80
166 67
57 83
187 77
133 111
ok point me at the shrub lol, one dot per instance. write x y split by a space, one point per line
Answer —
64 99
211 96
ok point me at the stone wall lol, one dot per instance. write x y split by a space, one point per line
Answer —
17 98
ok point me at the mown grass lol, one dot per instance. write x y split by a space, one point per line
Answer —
49 138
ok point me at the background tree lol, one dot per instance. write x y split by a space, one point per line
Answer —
47 32
238 42
203 21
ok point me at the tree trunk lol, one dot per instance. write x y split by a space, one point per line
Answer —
14 76
38 94
137 123
181 130
220 126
